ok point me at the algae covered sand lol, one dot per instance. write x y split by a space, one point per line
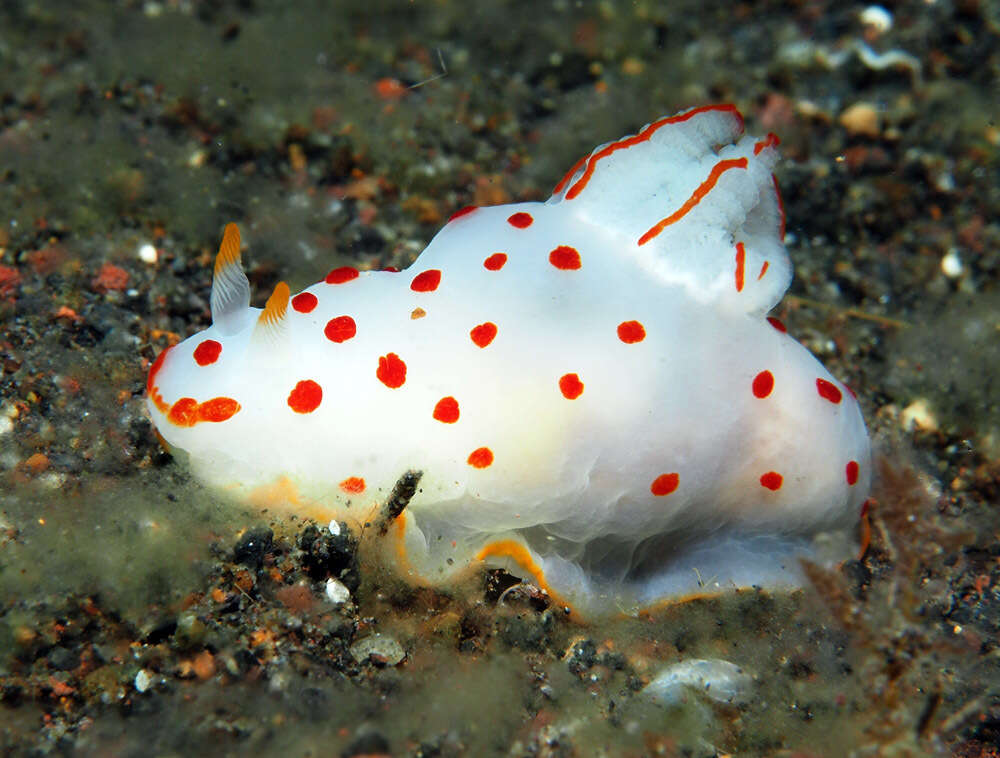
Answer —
141 614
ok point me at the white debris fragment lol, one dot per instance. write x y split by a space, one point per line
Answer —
147 253
142 681
334 528
876 18
381 648
719 680
337 592
918 416
802 53
951 264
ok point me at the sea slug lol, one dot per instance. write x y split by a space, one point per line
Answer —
586 391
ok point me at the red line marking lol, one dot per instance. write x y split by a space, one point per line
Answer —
569 175
642 136
741 255
462 212
696 197
771 140
155 369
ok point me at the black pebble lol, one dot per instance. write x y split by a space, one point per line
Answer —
252 546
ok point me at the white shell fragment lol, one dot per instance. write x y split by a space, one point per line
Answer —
714 678
381 648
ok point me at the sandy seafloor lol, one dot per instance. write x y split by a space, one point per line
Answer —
143 615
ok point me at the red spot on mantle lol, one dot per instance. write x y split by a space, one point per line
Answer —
341 275
305 397
631 332
446 410
391 371
483 334
763 383
481 457
426 281
570 386
565 258
353 485
664 484
771 480
520 220
304 302
495 262
207 352
340 329
828 391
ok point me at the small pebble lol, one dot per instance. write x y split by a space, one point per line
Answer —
861 119
951 264
876 18
918 416
142 681
147 253
337 592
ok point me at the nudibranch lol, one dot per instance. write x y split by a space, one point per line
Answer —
590 387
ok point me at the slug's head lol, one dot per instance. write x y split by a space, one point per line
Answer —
201 382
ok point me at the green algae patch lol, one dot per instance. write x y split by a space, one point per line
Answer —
135 544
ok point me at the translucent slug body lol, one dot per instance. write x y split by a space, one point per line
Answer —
589 386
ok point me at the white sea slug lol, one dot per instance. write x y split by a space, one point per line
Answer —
589 387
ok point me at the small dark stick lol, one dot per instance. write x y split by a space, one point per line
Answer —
402 492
